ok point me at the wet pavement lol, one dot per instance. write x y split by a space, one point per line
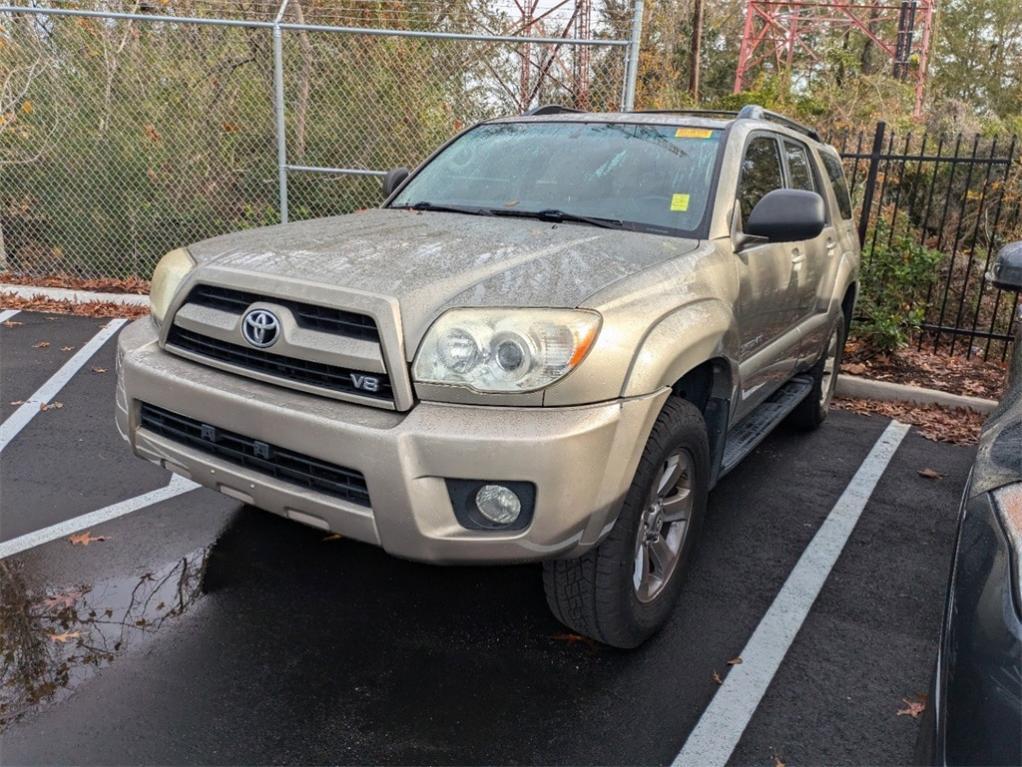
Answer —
199 631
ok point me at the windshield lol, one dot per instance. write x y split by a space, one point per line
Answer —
646 177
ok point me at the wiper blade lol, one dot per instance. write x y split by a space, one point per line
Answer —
445 208
559 216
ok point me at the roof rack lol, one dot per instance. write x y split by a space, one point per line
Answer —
756 112
747 112
551 109
695 112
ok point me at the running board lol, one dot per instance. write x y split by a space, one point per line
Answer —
756 425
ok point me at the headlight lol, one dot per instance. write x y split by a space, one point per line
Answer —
167 277
505 350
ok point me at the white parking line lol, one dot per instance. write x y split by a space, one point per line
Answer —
6 314
177 486
20 418
719 729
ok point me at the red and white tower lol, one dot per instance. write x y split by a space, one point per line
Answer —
784 36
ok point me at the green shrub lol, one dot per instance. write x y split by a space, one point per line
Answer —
897 272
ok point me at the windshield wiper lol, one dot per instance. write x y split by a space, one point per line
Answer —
445 208
560 216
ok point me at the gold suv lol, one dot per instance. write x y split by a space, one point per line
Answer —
548 344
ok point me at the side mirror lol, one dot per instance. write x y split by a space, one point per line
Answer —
1006 273
394 178
787 215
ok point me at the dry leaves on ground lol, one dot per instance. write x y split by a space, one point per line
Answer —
778 762
716 677
973 376
43 407
77 308
12 323
913 707
99 370
41 345
84 539
735 661
956 426
67 348
126 285
930 473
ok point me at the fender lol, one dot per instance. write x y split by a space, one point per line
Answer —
680 341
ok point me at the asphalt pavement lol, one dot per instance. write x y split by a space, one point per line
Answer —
197 631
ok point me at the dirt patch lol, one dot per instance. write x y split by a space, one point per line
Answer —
957 426
126 285
973 377
77 308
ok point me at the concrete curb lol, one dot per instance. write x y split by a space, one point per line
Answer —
865 388
74 296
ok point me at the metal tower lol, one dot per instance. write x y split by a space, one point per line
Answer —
785 35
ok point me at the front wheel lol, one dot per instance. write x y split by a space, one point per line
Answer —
622 591
812 411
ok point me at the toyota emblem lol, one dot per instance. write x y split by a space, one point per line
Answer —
260 327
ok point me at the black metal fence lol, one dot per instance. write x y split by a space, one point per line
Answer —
961 195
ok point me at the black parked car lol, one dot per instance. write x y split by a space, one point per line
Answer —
974 714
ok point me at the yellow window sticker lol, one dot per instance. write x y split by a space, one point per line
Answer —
693 133
679 203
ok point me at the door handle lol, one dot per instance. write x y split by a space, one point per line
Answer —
831 247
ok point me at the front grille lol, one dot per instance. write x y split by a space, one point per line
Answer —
291 368
278 462
310 316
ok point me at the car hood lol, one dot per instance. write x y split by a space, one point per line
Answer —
431 261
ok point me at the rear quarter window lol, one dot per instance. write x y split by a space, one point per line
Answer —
836 174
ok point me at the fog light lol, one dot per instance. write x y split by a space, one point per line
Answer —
498 504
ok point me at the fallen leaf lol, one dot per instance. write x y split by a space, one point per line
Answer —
99 370
735 661
914 707
778 762
43 407
12 323
18 402
930 473
333 537
716 677
572 639
84 539
67 348
854 369
41 345
66 637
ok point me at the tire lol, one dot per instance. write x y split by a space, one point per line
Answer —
811 412
601 594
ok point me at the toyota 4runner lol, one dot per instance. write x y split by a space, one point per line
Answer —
549 343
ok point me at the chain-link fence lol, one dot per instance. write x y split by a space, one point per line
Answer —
132 128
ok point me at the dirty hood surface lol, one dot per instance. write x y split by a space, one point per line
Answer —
431 261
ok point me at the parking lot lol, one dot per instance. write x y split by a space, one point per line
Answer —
190 629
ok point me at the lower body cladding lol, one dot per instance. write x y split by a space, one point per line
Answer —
386 478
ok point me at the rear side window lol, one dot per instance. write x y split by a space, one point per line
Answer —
836 175
799 170
761 173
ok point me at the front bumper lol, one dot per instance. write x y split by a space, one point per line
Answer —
580 459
